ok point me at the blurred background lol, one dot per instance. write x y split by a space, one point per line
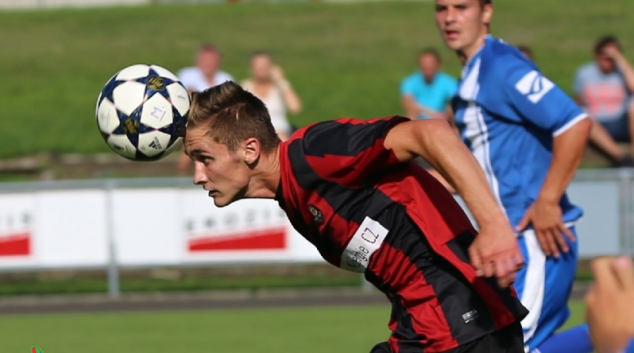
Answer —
109 255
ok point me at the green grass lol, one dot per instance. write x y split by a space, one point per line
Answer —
306 330
189 283
344 59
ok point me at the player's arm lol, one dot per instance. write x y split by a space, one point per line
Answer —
410 107
545 213
624 66
495 251
544 105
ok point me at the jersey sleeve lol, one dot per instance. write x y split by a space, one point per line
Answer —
349 151
538 101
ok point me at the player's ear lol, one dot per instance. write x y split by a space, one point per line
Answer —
487 13
252 150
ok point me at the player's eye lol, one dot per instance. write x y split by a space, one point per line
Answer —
205 159
441 8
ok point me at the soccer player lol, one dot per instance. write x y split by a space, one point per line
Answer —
528 137
350 188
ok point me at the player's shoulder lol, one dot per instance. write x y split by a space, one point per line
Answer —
504 56
346 128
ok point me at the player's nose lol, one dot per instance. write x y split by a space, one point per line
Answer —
200 177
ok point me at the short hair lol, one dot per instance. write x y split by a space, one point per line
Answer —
430 51
260 53
231 115
209 48
605 41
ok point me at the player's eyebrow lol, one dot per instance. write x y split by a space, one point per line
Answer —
194 153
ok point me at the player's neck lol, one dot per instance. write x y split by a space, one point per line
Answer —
266 177
468 52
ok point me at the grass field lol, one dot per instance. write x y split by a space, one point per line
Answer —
306 330
344 59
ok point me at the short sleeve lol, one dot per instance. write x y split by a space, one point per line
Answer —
537 100
407 87
350 151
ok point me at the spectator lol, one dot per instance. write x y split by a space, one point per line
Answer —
526 50
427 93
268 83
205 74
603 87
610 312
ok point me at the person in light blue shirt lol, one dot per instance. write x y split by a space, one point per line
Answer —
427 93
529 138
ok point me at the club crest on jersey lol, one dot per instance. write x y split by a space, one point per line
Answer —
318 217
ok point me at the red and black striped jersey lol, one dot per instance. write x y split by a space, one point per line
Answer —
349 195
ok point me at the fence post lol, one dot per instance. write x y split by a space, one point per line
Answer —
113 268
625 211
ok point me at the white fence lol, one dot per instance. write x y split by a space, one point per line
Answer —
169 222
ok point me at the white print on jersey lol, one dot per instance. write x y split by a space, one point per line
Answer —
365 241
534 86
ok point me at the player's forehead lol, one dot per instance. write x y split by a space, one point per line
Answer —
197 141
457 2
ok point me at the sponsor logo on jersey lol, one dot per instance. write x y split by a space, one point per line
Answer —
534 86
318 216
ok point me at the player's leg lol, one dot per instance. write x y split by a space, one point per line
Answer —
544 286
603 141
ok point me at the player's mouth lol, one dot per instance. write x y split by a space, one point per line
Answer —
451 34
213 193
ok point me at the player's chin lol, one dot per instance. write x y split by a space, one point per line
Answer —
221 201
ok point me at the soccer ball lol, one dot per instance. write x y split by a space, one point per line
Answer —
142 112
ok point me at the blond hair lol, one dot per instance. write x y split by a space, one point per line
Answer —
231 115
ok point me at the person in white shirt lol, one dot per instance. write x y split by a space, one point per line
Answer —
207 71
269 84
198 78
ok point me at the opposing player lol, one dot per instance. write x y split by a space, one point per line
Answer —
349 188
528 137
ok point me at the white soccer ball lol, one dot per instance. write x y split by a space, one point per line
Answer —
142 112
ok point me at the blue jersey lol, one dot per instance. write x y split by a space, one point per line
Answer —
508 114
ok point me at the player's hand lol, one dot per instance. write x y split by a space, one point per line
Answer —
610 313
547 221
612 52
277 74
495 253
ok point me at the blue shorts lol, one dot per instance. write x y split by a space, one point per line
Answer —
544 285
